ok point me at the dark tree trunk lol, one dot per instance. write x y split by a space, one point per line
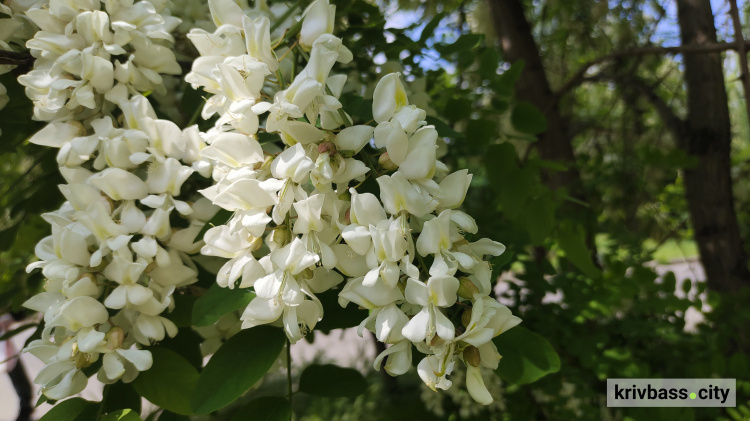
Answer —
23 390
517 41
709 185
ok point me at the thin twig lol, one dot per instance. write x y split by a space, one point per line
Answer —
579 76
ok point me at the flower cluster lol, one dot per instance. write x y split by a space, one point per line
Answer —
316 202
114 259
120 244
89 59
299 228
15 29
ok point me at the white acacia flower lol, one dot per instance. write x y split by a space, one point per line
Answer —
430 321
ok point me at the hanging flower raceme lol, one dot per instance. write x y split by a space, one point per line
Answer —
114 260
288 165
299 228
91 55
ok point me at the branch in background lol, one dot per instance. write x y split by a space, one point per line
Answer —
742 52
580 76
671 120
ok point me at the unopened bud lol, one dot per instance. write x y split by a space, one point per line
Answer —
384 161
327 147
345 196
471 356
466 317
115 337
256 243
90 276
280 236
466 288
267 162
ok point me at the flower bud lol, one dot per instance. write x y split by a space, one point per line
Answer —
256 243
466 288
471 356
327 147
384 161
280 236
466 317
115 337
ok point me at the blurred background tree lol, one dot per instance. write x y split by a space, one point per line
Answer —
610 144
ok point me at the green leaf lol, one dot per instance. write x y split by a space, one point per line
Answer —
267 408
572 240
457 109
332 381
119 396
221 218
463 43
479 133
16 331
527 356
122 415
181 315
74 409
236 366
171 416
443 129
429 29
187 343
507 80
526 118
539 216
170 381
218 301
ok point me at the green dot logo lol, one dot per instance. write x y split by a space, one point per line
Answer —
692 395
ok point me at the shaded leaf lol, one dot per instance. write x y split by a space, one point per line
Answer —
236 366
332 381
218 301
526 118
267 408
527 356
122 415
169 383
73 409
572 240
119 396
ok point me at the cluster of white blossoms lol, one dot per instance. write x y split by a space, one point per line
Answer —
299 227
15 29
114 259
120 244
93 54
304 216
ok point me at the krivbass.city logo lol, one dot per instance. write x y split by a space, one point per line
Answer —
671 392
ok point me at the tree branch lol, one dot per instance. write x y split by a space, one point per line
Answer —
671 120
580 75
23 60
742 51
